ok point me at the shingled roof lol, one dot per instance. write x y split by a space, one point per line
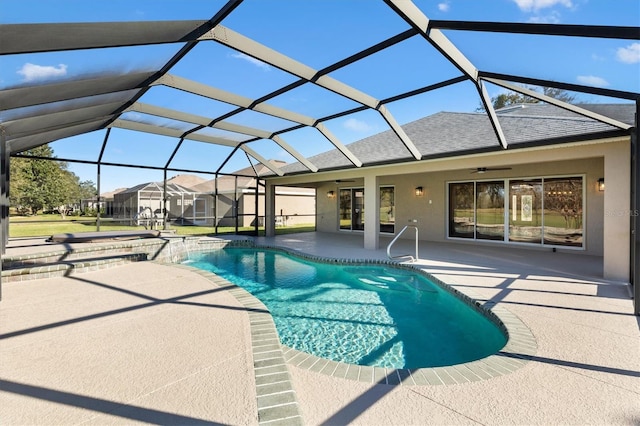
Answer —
454 133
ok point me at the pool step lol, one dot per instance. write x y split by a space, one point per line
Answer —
44 266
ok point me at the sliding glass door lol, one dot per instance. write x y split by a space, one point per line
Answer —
534 211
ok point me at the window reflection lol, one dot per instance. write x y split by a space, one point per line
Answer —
490 210
525 211
387 209
563 211
461 210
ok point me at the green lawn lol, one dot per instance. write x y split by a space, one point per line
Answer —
47 225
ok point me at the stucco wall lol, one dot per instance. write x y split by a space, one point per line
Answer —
431 210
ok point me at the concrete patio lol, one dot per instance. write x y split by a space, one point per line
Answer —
154 343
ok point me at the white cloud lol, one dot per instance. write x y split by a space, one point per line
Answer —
629 54
592 80
251 60
31 72
357 125
535 5
443 7
553 17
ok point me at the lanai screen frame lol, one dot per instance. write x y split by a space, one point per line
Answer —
25 133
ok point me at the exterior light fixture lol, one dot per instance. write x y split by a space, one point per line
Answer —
331 194
419 191
601 184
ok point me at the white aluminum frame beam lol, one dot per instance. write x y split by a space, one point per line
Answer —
414 17
174 133
210 92
269 56
33 38
230 127
573 108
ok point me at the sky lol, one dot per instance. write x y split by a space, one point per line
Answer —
317 34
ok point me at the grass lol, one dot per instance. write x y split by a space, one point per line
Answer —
47 225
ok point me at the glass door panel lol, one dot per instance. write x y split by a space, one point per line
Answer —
358 210
525 211
387 210
563 211
345 209
461 210
490 210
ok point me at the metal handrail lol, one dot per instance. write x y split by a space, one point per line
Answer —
413 259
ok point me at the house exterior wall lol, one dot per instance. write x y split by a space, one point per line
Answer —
604 234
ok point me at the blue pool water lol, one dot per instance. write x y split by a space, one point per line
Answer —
373 315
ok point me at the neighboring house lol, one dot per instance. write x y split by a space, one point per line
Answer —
546 191
145 201
191 201
107 200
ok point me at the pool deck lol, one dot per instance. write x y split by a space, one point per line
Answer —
151 343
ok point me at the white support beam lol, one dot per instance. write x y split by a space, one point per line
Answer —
339 145
168 113
236 128
414 16
558 103
200 89
284 114
174 133
243 44
269 56
204 90
347 91
399 132
493 117
301 158
451 51
263 160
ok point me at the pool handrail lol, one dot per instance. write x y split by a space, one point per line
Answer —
413 259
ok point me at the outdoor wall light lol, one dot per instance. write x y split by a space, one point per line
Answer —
419 191
601 184
331 194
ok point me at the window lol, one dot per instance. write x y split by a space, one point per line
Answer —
387 209
535 211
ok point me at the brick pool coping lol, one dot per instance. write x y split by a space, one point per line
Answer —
520 346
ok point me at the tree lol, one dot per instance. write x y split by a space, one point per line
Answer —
37 184
513 98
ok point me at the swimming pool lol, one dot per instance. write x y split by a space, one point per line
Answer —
366 314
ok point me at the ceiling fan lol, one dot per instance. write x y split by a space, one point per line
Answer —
343 180
488 169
